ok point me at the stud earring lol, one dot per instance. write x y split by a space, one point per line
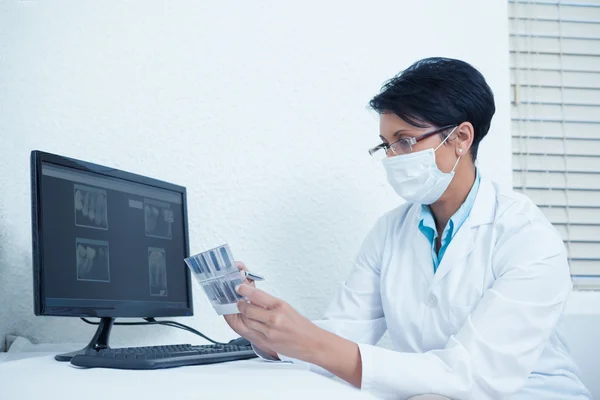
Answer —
460 150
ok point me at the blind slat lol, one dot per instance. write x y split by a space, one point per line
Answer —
566 45
586 283
552 129
569 180
579 250
532 61
578 232
575 3
545 197
585 267
565 20
556 95
551 27
553 12
549 111
559 163
558 215
556 146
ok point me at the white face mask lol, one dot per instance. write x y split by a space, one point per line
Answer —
416 177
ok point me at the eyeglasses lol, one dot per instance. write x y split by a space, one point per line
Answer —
403 145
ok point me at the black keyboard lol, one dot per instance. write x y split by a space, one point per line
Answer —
156 357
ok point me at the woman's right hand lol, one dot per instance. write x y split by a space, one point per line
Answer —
236 321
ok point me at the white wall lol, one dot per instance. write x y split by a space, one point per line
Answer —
259 108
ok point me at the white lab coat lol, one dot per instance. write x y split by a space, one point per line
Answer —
484 326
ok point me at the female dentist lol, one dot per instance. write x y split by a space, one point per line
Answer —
469 280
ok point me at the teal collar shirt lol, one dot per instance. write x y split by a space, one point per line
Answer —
427 224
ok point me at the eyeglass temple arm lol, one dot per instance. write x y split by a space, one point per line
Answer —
429 134
376 148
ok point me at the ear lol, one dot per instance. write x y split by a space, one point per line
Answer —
465 133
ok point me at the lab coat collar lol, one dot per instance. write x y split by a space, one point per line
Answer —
463 243
484 208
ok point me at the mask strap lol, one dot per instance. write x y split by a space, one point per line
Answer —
443 141
456 163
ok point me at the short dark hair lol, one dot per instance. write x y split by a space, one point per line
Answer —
439 92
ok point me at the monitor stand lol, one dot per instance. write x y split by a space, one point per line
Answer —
98 342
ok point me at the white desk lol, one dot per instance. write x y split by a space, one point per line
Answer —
44 378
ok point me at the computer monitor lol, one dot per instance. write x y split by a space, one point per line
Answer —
107 243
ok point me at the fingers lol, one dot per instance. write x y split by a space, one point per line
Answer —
258 297
256 326
241 266
230 319
236 322
262 344
254 312
248 328
247 281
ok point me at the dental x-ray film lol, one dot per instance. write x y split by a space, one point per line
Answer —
218 276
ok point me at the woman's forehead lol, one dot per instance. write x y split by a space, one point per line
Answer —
391 125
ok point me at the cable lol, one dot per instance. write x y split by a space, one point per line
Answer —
176 324
152 321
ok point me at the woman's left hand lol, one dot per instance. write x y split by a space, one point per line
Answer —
279 325
282 329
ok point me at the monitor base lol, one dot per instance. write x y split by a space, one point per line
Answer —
98 342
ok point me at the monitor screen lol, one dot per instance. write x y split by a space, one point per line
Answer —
107 243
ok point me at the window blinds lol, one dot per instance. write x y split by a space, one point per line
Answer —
555 79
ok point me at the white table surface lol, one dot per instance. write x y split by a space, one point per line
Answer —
45 378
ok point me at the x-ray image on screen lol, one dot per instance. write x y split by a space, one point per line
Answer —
90 207
157 270
92 260
158 218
